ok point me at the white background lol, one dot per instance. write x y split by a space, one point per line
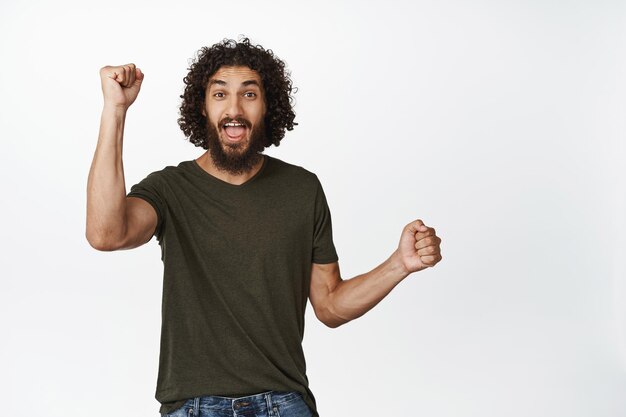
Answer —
499 123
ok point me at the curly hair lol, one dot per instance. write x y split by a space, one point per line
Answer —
276 80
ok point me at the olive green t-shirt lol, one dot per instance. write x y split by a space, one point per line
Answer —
237 268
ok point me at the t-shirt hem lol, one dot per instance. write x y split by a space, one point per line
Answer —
325 260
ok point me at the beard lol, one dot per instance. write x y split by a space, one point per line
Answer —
236 158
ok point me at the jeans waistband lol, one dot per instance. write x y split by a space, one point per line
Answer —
254 401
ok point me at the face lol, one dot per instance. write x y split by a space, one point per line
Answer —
235 109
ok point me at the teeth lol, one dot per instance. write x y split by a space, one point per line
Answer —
232 124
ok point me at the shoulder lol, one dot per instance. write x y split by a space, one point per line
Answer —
163 176
170 171
291 172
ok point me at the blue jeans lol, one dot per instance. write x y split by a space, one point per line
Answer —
266 404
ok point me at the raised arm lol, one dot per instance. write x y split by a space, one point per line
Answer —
337 301
115 221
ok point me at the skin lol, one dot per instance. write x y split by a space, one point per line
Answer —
233 92
117 222
337 301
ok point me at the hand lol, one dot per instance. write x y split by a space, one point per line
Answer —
120 85
419 247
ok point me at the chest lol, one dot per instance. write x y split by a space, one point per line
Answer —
251 222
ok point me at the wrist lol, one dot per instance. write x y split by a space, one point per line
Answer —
398 265
114 110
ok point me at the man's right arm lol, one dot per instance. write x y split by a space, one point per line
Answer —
115 221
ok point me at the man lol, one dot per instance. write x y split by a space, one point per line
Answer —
245 239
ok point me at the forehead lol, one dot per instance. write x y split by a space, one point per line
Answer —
235 76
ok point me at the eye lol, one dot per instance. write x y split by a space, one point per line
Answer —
219 94
249 94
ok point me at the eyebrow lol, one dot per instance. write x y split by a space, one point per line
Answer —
245 83
250 82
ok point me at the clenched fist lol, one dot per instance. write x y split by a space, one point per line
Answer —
120 85
419 247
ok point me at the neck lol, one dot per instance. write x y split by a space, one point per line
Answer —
209 166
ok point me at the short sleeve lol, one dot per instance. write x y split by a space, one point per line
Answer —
149 189
323 247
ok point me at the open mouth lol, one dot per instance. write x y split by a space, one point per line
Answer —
235 131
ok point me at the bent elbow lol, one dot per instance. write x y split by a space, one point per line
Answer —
330 319
334 324
99 244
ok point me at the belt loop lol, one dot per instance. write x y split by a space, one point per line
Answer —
268 399
196 406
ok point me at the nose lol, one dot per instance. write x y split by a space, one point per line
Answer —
233 110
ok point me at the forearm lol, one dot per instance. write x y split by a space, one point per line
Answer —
106 189
354 297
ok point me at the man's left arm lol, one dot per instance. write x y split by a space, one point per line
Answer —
337 301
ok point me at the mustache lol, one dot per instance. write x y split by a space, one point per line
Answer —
240 120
